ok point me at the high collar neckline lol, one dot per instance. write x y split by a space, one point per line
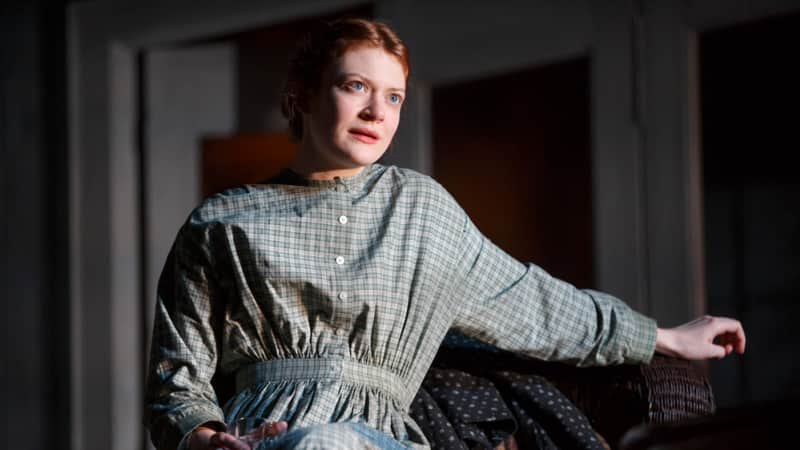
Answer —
351 183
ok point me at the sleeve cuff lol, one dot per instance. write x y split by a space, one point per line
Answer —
184 444
183 425
640 338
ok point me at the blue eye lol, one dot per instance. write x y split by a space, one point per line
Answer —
394 98
357 85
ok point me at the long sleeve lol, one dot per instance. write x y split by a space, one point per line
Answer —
521 308
183 358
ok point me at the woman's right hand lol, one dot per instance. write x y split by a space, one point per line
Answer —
702 338
206 438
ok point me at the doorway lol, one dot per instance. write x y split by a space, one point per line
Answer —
515 152
749 97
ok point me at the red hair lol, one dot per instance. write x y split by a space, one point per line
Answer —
320 48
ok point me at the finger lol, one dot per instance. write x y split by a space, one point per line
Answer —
275 428
215 440
219 440
725 341
228 441
741 339
717 351
728 325
736 336
725 325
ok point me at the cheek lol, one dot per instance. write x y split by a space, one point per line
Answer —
393 121
328 115
343 111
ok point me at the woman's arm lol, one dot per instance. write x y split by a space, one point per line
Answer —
702 338
183 357
521 308
531 312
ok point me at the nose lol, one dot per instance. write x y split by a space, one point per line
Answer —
373 112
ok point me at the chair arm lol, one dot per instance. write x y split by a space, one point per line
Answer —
614 398
617 398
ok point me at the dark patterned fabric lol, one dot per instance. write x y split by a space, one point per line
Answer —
546 417
458 410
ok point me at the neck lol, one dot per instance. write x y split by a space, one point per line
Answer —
320 173
311 166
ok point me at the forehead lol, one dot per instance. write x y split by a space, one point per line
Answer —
374 63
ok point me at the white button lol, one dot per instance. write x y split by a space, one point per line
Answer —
340 260
342 220
342 295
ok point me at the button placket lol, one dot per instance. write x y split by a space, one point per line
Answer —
342 220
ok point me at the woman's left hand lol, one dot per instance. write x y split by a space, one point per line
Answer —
702 338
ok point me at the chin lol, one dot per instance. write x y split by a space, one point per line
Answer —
365 156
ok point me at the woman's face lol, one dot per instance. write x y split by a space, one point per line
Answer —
355 113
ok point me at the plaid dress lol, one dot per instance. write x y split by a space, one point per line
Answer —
327 300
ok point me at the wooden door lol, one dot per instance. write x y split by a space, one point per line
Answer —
514 150
243 159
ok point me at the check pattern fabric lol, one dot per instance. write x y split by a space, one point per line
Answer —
329 299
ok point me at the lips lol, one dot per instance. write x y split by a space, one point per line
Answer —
364 135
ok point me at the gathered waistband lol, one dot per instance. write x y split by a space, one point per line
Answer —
342 370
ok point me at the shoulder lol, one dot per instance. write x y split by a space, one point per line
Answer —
426 194
414 183
235 202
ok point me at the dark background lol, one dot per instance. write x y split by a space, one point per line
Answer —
750 97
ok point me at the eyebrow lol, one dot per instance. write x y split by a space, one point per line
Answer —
343 75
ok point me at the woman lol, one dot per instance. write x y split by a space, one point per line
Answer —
327 290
